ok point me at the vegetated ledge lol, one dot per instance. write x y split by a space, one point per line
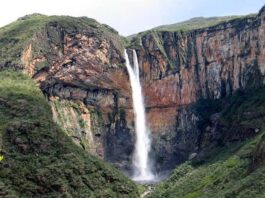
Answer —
38 159
197 25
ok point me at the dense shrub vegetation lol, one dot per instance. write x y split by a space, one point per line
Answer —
39 160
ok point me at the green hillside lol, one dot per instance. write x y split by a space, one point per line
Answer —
42 31
184 27
37 159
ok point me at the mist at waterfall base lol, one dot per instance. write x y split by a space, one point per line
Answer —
142 163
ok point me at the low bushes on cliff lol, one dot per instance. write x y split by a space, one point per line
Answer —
39 160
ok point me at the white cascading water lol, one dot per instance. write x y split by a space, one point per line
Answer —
141 162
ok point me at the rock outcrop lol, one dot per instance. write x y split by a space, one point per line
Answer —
89 91
78 64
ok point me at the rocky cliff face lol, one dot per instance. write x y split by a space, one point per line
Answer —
88 89
80 68
78 64
178 69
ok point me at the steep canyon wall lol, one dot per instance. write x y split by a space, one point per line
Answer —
81 71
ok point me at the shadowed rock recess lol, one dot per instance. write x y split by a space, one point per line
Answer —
194 80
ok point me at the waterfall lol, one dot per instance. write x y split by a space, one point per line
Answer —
141 161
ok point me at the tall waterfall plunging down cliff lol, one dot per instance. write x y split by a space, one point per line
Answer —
141 161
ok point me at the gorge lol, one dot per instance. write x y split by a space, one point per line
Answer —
203 90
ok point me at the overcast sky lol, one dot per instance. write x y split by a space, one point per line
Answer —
129 16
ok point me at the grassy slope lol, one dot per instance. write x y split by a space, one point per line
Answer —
183 27
235 170
191 24
196 23
15 36
39 159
